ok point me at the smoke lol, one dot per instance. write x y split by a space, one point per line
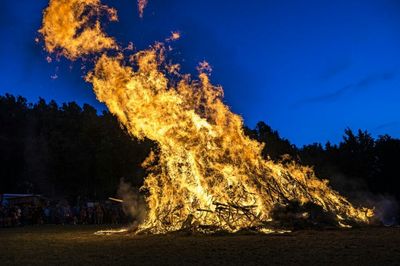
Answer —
133 203
386 207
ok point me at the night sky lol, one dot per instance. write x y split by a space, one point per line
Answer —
309 69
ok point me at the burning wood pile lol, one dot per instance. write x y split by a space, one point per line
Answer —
206 174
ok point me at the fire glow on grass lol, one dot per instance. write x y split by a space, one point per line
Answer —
206 172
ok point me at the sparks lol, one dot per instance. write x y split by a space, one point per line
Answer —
141 6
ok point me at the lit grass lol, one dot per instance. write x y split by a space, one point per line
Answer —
77 245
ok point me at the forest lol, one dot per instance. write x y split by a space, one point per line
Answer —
69 151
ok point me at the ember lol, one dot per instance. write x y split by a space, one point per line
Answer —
141 6
206 174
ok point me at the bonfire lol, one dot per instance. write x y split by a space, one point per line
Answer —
206 174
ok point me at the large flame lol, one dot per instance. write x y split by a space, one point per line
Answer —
72 27
206 171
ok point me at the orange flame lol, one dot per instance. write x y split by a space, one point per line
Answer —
205 165
175 35
141 6
73 27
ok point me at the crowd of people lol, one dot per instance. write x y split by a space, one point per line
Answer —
62 213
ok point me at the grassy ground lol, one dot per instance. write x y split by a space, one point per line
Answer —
73 245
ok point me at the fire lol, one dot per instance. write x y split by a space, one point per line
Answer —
141 6
64 19
175 35
206 173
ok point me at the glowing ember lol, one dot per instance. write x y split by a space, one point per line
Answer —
141 6
206 173
111 231
175 35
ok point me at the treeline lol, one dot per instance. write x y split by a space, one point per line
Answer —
65 150
359 167
70 151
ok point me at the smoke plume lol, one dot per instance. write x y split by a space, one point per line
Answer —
133 203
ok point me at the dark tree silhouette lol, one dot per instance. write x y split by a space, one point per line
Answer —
66 150
70 150
275 146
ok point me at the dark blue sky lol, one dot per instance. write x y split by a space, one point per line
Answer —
307 68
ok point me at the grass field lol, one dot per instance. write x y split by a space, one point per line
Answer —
77 245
